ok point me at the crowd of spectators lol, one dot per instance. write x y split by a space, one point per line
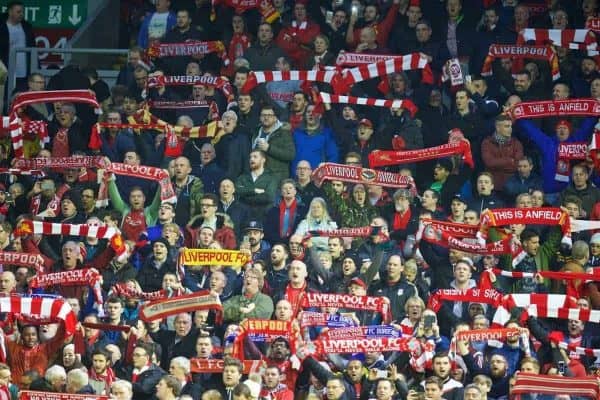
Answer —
250 189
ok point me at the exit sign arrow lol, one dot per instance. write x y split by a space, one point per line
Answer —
75 18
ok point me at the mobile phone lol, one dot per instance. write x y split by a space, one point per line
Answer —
561 367
329 17
354 10
246 240
468 79
428 321
382 374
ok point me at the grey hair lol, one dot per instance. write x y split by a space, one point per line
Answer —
182 362
54 372
230 114
78 377
185 120
123 385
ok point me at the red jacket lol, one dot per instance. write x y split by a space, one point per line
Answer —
295 40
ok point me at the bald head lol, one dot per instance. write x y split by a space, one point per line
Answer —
8 282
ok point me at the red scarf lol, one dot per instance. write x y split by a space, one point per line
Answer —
295 297
60 143
555 108
291 217
108 378
401 219
380 158
354 174
475 295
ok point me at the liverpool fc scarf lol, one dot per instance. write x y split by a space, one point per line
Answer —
37 129
60 162
362 332
346 301
488 334
455 229
76 277
555 108
264 330
347 59
518 53
28 227
129 292
202 300
445 239
213 257
527 216
191 48
167 105
351 173
380 158
313 318
364 345
542 302
159 175
366 101
216 365
22 259
34 395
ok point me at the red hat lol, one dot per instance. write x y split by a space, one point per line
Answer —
564 122
366 122
414 3
358 281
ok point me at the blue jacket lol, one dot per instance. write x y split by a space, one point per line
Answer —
548 146
116 150
316 148
143 35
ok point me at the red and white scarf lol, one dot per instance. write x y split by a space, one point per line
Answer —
351 173
367 101
28 227
457 230
257 77
38 129
518 53
27 98
541 304
48 308
386 67
380 158
442 238
192 80
526 384
108 378
574 39
265 329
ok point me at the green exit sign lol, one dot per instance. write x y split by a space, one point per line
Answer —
53 13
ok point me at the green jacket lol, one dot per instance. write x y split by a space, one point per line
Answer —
281 151
351 214
195 188
151 211
259 202
263 308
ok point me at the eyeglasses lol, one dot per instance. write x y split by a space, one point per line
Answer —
267 115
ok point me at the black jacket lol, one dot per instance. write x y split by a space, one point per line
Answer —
185 347
5 39
145 385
